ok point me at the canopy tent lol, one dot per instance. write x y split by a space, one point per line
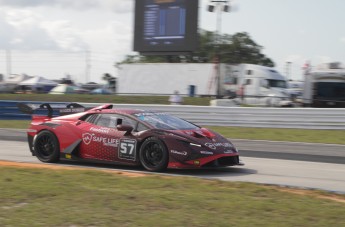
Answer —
10 84
63 89
38 83
2 87
67 89
16 79
101 91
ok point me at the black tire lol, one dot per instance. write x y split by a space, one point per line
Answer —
46 147
154 155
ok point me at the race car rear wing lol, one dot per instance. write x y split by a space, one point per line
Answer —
62 109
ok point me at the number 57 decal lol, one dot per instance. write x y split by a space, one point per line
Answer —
127 149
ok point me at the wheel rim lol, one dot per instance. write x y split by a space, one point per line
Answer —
45 146
153 154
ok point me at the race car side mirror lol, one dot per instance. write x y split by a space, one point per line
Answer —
125 128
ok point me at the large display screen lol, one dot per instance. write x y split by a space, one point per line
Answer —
163 26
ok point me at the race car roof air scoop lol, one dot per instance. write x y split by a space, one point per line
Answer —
207 133
198 135
103 107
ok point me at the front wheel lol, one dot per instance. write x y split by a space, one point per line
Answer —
46 147
154 155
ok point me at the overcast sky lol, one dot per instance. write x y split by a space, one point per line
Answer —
51 37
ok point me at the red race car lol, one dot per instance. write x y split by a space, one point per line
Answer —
125 136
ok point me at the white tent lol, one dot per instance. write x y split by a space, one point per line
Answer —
10 84
37 84
38 81
2 87
15 78
63 89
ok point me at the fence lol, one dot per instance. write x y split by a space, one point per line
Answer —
303 118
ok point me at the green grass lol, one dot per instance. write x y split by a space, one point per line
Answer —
40 197
293 135
275 134
14 124
201 101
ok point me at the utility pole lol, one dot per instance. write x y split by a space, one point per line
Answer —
288 70
219 6
8 62
87 66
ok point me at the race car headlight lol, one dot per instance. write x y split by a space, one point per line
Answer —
194 144
189 143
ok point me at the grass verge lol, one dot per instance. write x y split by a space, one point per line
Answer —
120 99
276 134
41 197
293 135
15 124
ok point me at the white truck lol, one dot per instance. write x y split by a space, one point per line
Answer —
324 86
255 85
262 86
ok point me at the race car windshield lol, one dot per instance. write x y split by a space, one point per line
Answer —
165 121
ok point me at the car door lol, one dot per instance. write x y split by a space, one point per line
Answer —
102 141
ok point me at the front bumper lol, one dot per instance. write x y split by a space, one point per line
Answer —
211 161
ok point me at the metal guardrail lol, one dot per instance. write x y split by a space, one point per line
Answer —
302 118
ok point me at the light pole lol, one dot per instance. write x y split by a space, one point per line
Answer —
218 6
9 62
288 70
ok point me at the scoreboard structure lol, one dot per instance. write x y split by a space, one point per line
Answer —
166 27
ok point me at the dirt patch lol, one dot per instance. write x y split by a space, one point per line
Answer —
333 197
57 167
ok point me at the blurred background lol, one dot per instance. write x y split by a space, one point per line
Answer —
202 48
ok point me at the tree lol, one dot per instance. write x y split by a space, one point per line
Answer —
232 49
240 48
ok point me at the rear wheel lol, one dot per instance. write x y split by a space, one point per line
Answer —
46 147
154 155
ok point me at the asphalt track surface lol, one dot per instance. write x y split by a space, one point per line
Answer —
302 165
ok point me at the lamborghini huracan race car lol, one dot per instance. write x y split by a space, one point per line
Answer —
125 136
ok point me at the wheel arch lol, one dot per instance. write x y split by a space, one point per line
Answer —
48 130
153 136
53 146
162 165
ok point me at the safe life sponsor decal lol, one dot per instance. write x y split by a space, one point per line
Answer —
214 146
127 149
206 152
184 153
88 138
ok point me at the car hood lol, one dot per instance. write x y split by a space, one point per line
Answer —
206 138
